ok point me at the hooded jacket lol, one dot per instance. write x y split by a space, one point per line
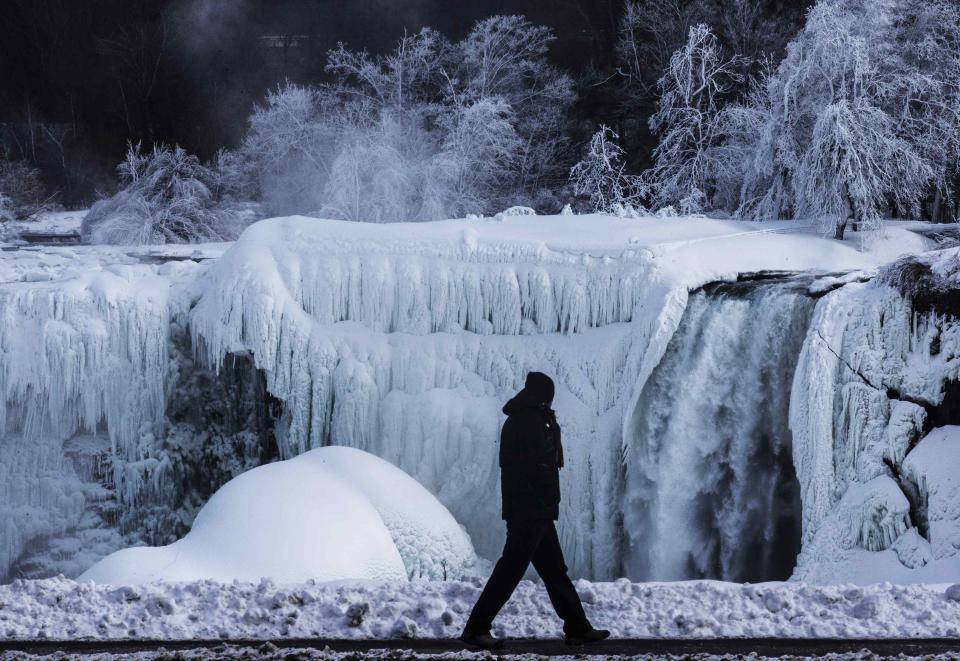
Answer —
531 453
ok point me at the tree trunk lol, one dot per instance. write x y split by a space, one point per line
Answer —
839 229
936 211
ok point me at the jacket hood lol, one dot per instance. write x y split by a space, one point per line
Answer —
537 392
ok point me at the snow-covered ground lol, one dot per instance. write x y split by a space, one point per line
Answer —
61 608
55 223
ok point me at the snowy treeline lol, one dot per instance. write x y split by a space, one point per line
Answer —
848 113
859 121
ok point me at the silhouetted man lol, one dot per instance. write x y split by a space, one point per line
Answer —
530 460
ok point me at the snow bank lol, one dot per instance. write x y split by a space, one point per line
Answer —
329 514
61 608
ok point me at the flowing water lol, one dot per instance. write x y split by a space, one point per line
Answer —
710 489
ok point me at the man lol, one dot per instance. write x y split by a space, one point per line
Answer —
530 460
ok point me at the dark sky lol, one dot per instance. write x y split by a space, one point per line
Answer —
188 71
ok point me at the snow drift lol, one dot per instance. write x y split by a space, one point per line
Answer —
329 514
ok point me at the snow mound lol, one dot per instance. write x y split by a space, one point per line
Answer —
430 541
329 514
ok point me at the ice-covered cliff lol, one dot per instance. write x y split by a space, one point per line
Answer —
84 339
877 388
405 340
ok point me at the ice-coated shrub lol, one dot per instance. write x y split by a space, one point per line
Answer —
168 196
601 177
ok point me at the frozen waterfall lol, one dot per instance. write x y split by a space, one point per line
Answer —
710 486
695 424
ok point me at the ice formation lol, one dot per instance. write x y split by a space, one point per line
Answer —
410 355
875 374
83 347
405 340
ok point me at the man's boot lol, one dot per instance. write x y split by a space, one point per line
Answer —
482 640
590 635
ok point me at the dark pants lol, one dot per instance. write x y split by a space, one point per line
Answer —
536 542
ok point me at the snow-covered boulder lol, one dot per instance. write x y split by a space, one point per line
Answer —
330 514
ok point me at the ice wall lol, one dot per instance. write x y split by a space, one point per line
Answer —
709 485
83 349
409 352
871 381
406 340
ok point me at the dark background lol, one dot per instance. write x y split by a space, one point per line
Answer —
99 73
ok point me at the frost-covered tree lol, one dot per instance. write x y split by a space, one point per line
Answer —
7 210
927 40
478 154
503 62
649 32
290 144
853 163
852 114
428 130
168 196
601 176
22 192
690 163
378 174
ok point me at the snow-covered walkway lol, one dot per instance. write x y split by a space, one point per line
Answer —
60 608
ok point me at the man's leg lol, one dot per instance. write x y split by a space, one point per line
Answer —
522 540
548 561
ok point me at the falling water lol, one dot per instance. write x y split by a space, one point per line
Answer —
710 488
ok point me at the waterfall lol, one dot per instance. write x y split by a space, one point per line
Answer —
710 489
